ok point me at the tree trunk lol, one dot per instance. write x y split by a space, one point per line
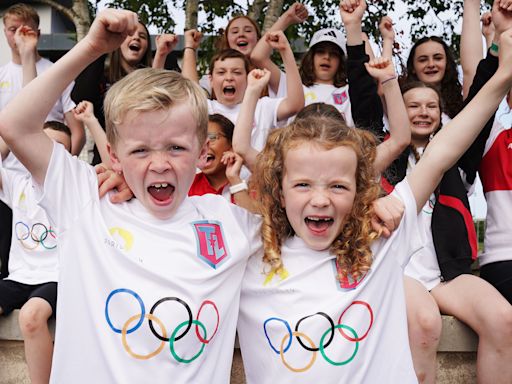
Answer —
256 8
191 14
274 10
78 14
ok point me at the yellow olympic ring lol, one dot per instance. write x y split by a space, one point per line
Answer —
125 343
281 353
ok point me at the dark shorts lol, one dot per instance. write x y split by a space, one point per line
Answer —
13 295
499 274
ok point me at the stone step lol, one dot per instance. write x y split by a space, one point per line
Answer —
456 354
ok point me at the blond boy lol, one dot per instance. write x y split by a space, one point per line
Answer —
149 289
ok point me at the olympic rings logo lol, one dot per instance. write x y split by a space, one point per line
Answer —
325 340
162 334
39 234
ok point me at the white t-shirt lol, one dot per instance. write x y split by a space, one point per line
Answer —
121 268
33 254
329 94
11 82
423 265
265 118
361 325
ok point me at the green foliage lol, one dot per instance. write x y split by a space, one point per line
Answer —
151 12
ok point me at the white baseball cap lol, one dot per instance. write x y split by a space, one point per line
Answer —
331 35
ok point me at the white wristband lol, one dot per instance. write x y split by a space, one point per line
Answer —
238 187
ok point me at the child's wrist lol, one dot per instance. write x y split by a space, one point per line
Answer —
388 79
242 186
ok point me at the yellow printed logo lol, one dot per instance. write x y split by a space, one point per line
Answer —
282 273
4 84
310 96
122 238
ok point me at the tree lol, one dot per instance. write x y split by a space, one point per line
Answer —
79 14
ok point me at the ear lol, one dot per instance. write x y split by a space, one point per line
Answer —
201 159
116 164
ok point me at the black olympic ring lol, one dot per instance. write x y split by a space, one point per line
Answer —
190 318
330 338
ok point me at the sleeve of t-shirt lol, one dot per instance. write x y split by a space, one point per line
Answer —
281 89
265 115
251 226
8 181
410 236
67 103
69 187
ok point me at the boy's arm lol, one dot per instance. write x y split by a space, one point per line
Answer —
84 112
192 42
260 55
22 131
454 139
165 44
26 42
294 100
470 43
241 142
383 71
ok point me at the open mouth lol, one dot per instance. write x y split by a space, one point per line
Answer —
242 44
325 66
134 47
421 124
229 90
161 192
318 224
209 159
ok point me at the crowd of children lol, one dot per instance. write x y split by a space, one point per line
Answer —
275 207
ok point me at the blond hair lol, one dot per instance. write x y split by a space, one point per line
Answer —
352 246
23 12
147 90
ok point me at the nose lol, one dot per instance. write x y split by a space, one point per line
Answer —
423 110
159 162
430 62
319 198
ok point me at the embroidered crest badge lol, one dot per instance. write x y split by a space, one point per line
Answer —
210 242
340 98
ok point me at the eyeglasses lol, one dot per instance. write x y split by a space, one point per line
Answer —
214 136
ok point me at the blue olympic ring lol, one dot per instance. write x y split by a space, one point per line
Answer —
268 338
142 310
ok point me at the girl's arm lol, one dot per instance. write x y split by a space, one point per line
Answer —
365 102
487 28
454 139
242 198
84 112
257 80
388 36
383 71
192 41
260 55
165 44
21 130
470 43
294 100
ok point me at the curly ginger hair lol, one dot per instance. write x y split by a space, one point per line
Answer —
352 246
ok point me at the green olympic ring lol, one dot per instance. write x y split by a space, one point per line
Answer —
322 351
172 340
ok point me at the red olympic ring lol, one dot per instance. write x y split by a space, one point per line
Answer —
363 303
201 338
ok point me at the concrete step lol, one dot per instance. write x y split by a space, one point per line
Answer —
456 354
